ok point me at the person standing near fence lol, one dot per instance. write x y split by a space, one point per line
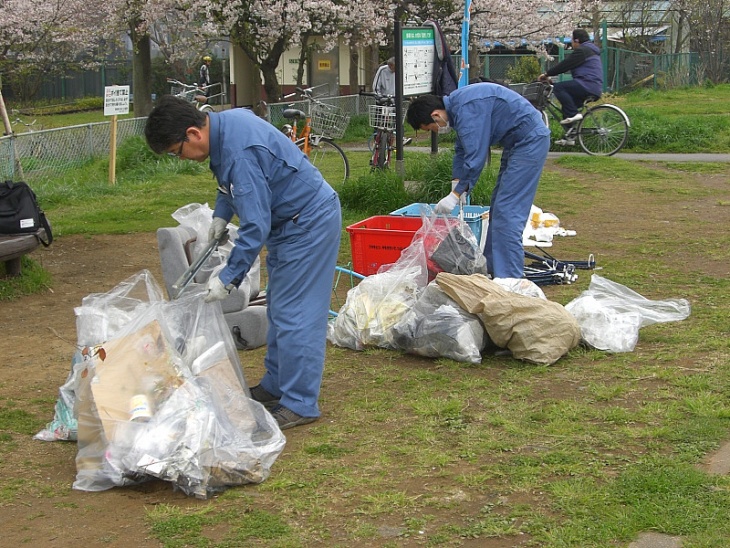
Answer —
384 83
481 115
204 74
586 70
384 80
281 201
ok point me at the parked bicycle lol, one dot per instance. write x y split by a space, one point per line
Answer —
193 93
16 121
382 119
29 144
314 134
603 130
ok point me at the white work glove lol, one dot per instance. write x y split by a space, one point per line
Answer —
216 290
218 230
447 205
462 198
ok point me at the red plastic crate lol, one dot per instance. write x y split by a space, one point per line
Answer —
379 240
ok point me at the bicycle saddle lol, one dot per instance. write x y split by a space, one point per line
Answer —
293 113
590 99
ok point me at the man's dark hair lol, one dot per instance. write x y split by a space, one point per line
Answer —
168 122
420 109
581 35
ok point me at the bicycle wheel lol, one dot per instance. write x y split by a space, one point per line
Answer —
383 152
545 118
206 108
380 158
328 157
603 131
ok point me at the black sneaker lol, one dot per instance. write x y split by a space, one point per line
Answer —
259 394
286 418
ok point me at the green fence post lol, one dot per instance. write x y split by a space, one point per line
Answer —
604 52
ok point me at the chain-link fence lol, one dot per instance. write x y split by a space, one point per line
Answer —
42 155
625 70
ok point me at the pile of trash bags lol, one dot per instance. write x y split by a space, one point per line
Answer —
437 301
156 391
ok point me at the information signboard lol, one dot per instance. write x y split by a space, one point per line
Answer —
116 100
419 51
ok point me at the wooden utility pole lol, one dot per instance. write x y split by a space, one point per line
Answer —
9 131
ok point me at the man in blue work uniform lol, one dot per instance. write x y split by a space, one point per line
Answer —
586 71
283 202
484 114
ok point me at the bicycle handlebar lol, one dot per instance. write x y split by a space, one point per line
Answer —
191 86
380 99
304 92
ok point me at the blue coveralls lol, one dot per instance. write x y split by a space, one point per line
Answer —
282 201
483 114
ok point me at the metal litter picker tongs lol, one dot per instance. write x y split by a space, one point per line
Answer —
184 280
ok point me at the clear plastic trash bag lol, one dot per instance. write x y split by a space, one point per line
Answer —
610 314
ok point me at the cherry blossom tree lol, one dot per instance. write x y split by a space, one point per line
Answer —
40 37
265 29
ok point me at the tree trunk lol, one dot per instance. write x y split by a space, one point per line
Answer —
272 88
141 72
303 56
267 66
354 70
374 64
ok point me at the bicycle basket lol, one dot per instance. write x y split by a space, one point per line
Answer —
176 90
537 94
184 92
382 117
328 120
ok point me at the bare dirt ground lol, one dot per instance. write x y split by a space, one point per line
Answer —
37 345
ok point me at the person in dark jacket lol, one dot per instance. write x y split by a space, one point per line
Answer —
586 70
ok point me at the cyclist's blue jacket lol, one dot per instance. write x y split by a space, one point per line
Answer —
482 115
585 68
263 178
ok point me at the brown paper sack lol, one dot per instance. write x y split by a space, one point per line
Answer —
533 329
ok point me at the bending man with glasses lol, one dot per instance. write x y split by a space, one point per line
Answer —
281 201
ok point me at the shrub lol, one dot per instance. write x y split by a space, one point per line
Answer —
526 69
427 180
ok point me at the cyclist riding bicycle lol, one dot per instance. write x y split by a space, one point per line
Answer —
586 70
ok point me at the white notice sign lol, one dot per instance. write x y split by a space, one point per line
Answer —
418 52
116 100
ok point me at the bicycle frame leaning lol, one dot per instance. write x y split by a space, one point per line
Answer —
603 130
194 93
316 137
382 119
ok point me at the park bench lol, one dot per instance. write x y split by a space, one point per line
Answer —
14 246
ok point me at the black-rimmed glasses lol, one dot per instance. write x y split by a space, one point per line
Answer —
179 150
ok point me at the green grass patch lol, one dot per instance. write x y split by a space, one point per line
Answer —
33 278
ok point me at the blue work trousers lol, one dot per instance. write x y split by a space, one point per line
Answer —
301 260
571 95
512 199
